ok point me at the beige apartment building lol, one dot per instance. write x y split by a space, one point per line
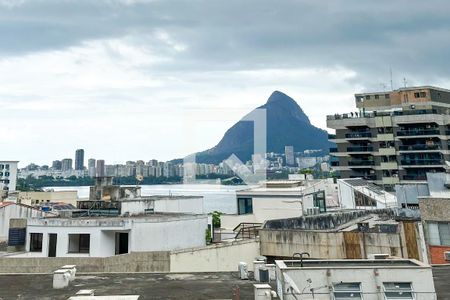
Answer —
393 137
38 198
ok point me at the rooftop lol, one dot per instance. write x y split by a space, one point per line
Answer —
351 263
410 88
148 286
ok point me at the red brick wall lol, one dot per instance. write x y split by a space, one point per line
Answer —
437 254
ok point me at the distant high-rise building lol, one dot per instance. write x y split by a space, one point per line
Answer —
79 160
100 168
66 164
91 167
57 165
8 177
289 153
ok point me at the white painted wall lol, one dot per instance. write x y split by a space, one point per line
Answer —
145 234
215 258
15 211
170 204
421 278
264 209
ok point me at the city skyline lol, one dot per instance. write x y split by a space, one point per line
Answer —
152 69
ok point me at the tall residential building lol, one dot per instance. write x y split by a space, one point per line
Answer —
289 153
57 165
66 164
393 137
101 170
91 167
8 177
79 160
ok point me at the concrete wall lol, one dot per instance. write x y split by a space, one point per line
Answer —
15 211
132 262
32 198
435 209
172 205
215 258
284 243
326 245
420 277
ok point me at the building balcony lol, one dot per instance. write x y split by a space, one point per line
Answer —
334 163
360 149
392 165
421 162
385 137
414 177
358 135
390 180
361 163
331 136
418 132
386 151
419 147
333 150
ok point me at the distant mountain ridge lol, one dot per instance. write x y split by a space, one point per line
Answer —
287 125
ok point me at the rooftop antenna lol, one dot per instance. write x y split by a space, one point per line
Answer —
405 82
392 83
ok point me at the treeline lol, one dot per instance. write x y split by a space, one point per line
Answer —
36 184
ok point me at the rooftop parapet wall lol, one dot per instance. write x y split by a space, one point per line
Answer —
332 221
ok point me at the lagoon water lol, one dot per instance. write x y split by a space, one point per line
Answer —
216 197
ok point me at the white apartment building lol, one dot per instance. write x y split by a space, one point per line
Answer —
8 177
108 236
368 279
281 199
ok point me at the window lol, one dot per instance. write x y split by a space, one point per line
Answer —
398 290
368 97
423 94
416 95
377 96
387 96
347 290
36 242
245 206
79 243
439 234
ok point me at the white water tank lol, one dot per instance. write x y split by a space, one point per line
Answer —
72 270
243 270
257 264
61 279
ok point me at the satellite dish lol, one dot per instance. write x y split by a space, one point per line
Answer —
139 177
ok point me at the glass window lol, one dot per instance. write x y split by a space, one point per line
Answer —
398 290
245 206
36 242
79 243
444 233
347 290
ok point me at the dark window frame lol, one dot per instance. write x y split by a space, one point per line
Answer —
84 243
36 242
247 205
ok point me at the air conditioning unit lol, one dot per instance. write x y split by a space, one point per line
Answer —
447 255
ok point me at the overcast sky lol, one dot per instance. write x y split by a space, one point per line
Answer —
128 80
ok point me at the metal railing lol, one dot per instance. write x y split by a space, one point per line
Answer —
247 230
412 132
414 177
359 149
362 134
361 163
421 162
419 147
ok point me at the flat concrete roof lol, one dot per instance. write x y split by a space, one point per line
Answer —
350 263
148 286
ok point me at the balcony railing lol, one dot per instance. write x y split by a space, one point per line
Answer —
359 149
414 177
333 150
412 132
363 134
421 162
419 147
334 163
331 136
379 114
358 163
